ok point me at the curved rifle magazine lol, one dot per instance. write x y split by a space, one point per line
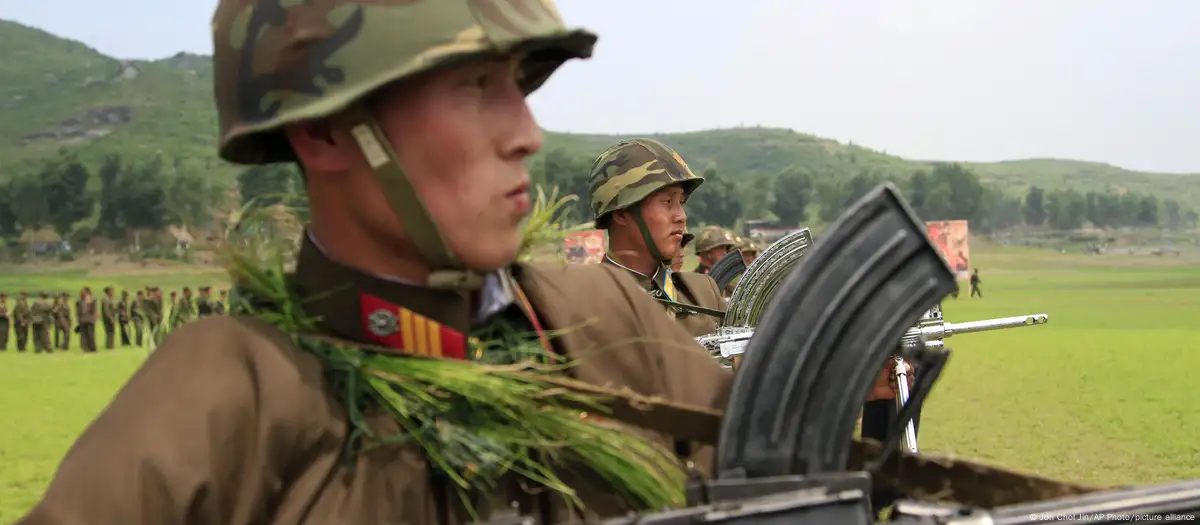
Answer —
824 338
727 269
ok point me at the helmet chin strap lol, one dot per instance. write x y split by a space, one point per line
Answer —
448 273
651 246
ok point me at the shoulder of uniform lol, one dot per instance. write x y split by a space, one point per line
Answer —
241 345
699 283
596 283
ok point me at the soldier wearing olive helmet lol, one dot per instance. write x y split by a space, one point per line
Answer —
637 190
409 120
713 243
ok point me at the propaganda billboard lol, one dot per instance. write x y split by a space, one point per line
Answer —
586 247
951 239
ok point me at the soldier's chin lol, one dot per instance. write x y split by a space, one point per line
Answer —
490 255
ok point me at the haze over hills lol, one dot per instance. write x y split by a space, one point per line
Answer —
56 92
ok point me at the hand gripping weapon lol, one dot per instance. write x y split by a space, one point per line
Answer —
785 440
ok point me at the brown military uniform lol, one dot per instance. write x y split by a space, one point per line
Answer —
263 436
136 308
123 317
692 288
108 313
22 318
5 325
85 317
41 319
62 322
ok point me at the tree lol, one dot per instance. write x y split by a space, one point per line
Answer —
29 203
266 185
143 199
793 192
8 220
65 186
918 188
1147 211
1035 206
716 202
1173 217
110 197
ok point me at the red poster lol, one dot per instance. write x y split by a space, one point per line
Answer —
585 247
951 238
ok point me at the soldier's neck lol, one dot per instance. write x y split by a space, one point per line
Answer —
351 247
635 259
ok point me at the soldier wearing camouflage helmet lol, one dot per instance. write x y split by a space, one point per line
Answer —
409 120
637 190
713 243
750 249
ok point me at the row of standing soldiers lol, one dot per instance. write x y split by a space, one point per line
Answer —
51 314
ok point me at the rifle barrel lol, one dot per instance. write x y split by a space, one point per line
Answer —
985 325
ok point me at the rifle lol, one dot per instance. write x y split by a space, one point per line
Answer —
786 437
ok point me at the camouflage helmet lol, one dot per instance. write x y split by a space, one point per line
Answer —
749 244
714 237
277 63
629 171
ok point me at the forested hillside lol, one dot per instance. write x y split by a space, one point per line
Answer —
97 144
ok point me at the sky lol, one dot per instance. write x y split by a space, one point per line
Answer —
1115 81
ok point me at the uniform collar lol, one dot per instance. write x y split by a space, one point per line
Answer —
375 309
642 278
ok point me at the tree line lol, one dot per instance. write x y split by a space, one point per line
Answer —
135 194
131 194
944 191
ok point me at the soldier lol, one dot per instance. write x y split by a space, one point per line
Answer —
187 307
40 319
5 322
637 190
62 322
173 314
154 310
204 302
975 282
108 315
749 248
677 263
123 317
137 307
711 245
433 242
85 320
219 305
21 316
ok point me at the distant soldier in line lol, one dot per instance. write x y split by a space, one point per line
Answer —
204 302
40 320
108 314
187 309
123 317
5 322
219 305
712 244
173 314
21 317
62 321
137 308
975 282
85 320
154 309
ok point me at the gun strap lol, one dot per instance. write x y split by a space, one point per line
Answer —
720 314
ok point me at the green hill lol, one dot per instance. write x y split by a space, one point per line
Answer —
57 92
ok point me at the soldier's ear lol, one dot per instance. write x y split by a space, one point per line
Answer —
621 218
321 147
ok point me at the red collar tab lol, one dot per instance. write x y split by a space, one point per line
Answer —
393 326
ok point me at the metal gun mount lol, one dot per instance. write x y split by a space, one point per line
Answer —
930 333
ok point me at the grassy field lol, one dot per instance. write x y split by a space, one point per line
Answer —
1099 395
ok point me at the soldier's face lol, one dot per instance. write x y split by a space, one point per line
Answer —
712 256
462 136
665 219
